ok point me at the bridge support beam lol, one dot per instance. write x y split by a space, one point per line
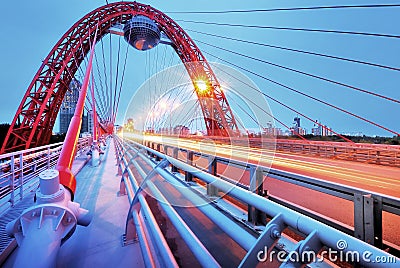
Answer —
189 161
368 219
42 228
265 242
212 191
254 215
174 155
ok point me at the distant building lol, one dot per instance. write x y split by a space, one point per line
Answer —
326 131
296 122
297 129
181 130
85 123
68 107
316 131
319 130
302 131
90 121
270 130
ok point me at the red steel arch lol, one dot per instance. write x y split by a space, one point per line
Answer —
36 115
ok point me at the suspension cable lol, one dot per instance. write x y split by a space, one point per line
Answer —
298 51
111 80
101 91
275 100
286 9
116 80
262 109
105 78
292 29
122 80
306 95
303 73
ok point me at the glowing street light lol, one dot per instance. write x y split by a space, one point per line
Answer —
176 106
163 105
201 86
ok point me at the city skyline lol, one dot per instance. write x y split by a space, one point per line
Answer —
21 59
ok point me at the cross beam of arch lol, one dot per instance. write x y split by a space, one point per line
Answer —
36 115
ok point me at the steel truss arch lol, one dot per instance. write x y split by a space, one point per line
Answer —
33 123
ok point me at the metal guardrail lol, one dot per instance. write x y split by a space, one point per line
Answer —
19 170
317 234
139 216
380 154
368 205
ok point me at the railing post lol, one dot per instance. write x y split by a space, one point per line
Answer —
158 150
48 157
212 169
174 155
21 176
120 155
189 160
378 160
368 219
254 215
12 180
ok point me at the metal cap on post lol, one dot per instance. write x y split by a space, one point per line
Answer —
50 190
49 182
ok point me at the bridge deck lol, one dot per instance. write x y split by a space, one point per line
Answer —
99 244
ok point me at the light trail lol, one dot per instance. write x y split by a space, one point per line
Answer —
364 176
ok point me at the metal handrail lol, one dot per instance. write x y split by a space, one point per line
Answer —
19 170
136 217
314 230
381 202
332 188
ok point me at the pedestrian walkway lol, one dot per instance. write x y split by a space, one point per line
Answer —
100 244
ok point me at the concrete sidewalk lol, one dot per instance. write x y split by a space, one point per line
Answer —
100 244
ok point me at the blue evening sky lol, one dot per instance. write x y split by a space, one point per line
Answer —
31 28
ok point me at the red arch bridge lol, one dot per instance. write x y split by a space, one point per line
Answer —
187 180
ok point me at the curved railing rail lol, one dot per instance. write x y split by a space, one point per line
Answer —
368 205
317 234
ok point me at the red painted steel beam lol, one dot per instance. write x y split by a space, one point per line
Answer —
68 150
36 115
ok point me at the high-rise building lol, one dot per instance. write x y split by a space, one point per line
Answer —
319 130
68 107
271 130
90 121
296 122
297 129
